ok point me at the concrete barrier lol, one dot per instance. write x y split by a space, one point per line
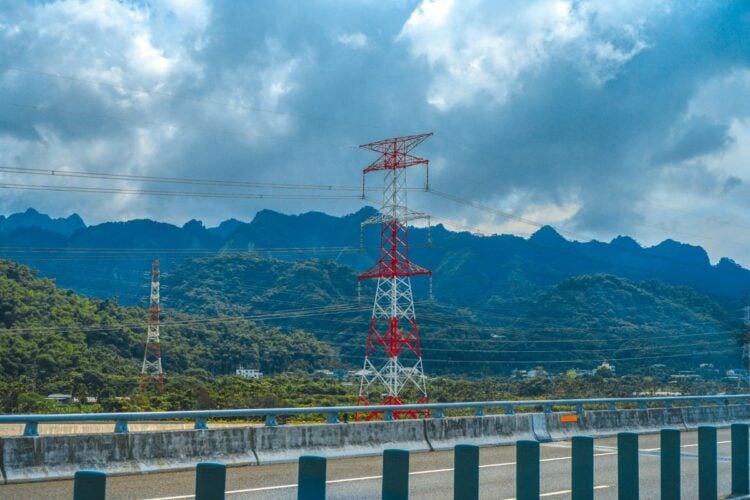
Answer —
607 423
493 430
58 457
715 415
288 443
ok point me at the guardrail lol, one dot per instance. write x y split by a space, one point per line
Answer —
210 478
389 412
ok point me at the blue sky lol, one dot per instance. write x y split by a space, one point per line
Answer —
599 117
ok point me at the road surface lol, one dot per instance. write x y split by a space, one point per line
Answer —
431 476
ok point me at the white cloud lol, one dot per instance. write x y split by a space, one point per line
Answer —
188 101
355 40
482 47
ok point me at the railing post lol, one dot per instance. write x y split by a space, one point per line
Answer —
707 467
509 410
31 429
582 481
479 411
670 464
527 470
611 406
438 413
210 481
466 472
271 421
89 485
740 462
547 408
332 418
395 475
627 466
121 426
311 481
388 415
200 423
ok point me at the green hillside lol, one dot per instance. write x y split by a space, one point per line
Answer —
52 340
577 323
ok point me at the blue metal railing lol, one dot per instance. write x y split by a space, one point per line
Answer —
331 413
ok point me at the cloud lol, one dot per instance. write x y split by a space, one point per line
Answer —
355 40
484 49
581 113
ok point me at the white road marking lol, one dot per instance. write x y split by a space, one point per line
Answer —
692 445
372 478
565 492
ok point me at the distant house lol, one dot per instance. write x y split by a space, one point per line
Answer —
248 372
65 399
606 366
737 373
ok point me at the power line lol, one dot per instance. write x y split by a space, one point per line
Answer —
298 313
176 180
198 194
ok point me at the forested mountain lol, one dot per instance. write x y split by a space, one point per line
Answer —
110 259
580 322
51 339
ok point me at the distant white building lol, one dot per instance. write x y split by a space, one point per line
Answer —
248 372
606 366
61 398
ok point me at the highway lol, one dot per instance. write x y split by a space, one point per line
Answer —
431 476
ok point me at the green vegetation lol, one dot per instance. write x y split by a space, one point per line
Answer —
53 341
579 322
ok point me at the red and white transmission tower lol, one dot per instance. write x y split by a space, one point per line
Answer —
394 324
151 368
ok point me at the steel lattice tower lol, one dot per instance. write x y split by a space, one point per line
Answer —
393 325
151 368
746 343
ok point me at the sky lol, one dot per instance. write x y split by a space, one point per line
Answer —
601 118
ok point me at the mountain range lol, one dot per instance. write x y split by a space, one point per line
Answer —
500 302
110 259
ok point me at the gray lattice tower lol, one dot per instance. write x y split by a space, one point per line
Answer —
151 370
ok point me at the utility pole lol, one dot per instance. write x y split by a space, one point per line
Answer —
151 368
393 325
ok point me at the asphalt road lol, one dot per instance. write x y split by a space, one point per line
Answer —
431 476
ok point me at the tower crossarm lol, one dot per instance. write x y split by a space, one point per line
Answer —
394 153
384 269
407 215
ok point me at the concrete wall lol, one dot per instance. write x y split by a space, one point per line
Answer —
56 457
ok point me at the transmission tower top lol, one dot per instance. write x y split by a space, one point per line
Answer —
394 153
